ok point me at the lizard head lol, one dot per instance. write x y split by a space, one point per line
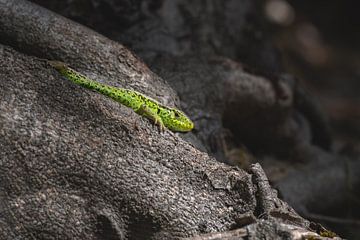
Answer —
177 121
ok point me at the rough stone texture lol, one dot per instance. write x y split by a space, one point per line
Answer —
70 153
76 165
34 31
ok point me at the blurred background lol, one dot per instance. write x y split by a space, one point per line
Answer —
319 43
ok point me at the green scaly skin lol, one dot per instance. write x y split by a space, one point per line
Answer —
164 116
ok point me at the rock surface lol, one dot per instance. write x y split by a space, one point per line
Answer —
76 165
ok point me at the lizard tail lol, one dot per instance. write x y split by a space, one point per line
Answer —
118 94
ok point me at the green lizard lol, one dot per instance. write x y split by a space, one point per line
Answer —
163 116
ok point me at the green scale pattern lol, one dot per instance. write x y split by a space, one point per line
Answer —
164 116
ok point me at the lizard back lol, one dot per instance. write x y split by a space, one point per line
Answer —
172 118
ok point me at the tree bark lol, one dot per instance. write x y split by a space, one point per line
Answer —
76 165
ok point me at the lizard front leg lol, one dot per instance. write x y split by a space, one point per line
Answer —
144 110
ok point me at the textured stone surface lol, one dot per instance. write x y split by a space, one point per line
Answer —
76 165
71 153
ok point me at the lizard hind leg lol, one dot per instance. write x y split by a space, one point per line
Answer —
146 111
